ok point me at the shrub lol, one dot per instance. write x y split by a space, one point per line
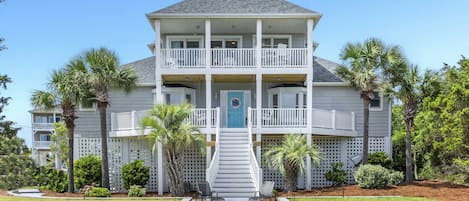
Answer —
136 191
379 158
51 179
87 170
395 177
372 176
135 173
337 174
98 192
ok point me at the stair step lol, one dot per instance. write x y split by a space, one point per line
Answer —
234 162
243 142
231 167
242 171
234 190
234 158
236 195
233 180
234 185
237 175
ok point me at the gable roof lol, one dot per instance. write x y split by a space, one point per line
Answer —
208 7
323 71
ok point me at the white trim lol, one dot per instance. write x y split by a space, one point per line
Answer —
184 38
87 109
179 90
153 16
274 36
282 90
223 38
331 84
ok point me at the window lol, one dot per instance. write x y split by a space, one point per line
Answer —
376 102
175 96
193 44
177 44
87 105
216 44
181 42
275 101
226 42
188 99
44 137
274 41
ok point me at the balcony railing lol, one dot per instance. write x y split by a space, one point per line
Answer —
131 120
42 144
234 57
297 118
43 126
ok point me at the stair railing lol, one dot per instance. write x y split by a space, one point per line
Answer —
211 172
256 171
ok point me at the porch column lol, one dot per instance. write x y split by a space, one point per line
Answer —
259 43
258 115
208 43
208 105
158 98
308 164
309 96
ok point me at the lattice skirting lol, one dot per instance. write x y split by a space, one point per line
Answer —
334 149
125 150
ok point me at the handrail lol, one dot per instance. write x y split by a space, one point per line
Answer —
256 171
211 171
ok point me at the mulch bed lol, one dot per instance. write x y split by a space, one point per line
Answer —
115 195
440 190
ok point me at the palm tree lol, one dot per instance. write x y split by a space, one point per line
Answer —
409 88
66 89
289 157
103 74
168 127
368 64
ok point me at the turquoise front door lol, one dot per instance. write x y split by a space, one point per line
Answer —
235 110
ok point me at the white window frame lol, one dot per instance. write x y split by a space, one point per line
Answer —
380 108
272 37
87 109
224 38
44 134
282 90
180 90
184 38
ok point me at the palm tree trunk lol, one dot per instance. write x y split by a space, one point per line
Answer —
71 182
366 121
104 155
174 166
408 153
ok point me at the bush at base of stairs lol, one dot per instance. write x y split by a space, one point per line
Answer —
136 191
376 176
98 192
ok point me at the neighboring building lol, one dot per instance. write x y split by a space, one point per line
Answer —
248 69
42 123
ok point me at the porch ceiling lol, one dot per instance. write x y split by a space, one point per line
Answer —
234 78
284 78
183 78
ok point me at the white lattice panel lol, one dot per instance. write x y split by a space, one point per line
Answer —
270 175
331 152
355 147
116 160
195 166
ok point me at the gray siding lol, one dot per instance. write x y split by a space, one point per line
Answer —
141 98
348 99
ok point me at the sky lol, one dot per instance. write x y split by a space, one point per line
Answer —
45 35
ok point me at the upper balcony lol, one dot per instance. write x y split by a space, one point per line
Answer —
191 44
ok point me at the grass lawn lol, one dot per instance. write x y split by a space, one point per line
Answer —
10 198
361 198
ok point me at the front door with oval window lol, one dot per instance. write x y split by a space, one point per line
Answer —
235 109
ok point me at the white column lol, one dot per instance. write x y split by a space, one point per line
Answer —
208 41
158 79
309 97
208 105
159 99
258 115
308 164
258 43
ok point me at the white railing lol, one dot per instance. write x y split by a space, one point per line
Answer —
45 126
297 118
211 172
131 120
332 119
183 58
42 143
256 171
234 57
284 57
282 117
